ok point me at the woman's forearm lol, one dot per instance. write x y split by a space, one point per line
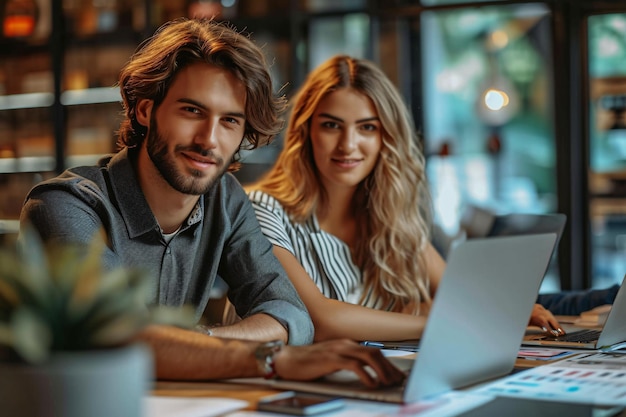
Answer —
339 319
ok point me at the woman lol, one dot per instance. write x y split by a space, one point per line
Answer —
346 207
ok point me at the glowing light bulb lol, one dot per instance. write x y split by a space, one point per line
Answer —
496 99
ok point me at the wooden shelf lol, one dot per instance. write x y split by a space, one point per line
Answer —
42 163
26 101
602 207
91 96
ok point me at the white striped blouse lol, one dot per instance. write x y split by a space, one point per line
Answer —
325 257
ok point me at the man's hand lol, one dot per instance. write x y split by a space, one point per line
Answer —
301 363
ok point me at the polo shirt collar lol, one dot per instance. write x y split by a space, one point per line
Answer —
132 204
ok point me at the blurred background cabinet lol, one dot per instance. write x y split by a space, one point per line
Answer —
520 105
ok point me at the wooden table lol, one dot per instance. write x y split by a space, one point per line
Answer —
251 394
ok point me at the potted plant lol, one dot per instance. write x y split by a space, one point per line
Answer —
67 333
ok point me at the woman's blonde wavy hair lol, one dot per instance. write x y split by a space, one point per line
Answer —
393 203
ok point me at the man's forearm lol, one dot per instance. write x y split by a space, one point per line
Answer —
186 355
258 327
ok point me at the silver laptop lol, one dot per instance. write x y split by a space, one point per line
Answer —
488 288
610 337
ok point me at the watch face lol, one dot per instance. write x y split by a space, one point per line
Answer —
265 357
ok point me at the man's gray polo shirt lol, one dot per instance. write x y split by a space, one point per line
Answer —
221 237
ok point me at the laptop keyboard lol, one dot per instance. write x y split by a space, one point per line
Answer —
581 336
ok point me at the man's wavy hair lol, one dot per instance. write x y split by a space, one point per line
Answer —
393 205
181 42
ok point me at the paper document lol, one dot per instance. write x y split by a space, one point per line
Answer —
156 406
587 378
543 354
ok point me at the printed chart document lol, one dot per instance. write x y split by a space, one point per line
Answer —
587 378
157 406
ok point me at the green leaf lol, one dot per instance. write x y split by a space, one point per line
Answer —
31 336
9 297
6 335
118 331
184 316
120 291
33 256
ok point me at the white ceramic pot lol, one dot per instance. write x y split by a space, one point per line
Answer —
99 383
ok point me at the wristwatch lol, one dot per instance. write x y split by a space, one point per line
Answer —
264 354
204 329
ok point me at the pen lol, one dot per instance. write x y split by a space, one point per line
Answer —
373 344
391 346
610 348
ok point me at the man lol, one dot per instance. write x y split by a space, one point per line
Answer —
194 95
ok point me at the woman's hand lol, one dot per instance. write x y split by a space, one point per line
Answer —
301 363
544 319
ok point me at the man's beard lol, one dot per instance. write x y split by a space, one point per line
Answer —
194 183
